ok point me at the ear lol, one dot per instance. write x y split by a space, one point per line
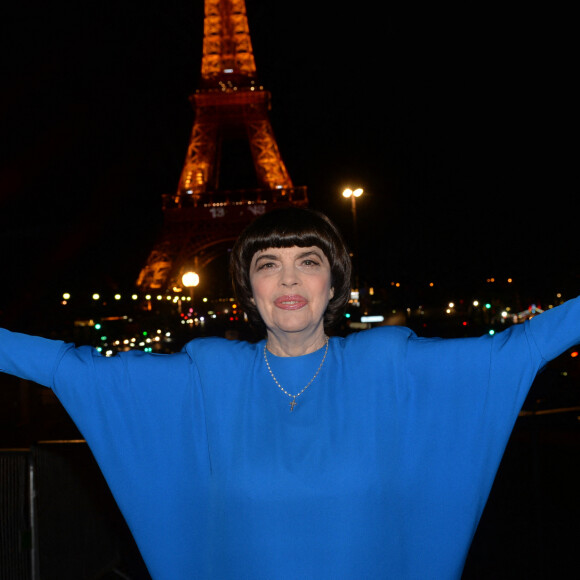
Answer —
331 293
252 300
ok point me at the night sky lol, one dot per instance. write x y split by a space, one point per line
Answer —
459 124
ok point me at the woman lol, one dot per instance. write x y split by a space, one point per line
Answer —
300 456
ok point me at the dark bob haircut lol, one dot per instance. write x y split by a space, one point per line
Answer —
285 228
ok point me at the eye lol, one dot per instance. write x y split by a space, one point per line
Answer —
310 262
266 265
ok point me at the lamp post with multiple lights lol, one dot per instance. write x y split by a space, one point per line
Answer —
353 194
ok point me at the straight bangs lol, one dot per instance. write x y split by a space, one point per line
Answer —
284 238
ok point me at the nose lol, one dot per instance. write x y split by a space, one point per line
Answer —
289 277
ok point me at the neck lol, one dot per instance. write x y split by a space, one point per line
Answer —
289 344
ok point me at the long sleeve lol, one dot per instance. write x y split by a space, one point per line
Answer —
142 415
465 396
30 357
557 329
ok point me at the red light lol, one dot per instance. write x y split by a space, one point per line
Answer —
574 354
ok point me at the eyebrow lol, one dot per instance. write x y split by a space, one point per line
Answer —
264 257
309 252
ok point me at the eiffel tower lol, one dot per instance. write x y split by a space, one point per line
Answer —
201 220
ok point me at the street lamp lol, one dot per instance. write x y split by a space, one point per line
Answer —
190 280
353 194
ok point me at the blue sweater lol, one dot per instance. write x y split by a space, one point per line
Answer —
381 471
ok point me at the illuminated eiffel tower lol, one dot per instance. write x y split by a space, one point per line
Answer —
201 220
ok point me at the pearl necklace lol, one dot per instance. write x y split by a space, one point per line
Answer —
293 397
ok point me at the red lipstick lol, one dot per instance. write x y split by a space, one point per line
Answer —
290 302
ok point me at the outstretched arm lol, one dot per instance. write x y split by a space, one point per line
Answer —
557 329
30 357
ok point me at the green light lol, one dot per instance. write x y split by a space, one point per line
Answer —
491 332
488 305
144 333
97 327
347 315
103 338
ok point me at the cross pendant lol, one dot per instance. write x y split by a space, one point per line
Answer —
293 404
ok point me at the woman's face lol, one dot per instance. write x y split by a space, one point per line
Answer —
291 288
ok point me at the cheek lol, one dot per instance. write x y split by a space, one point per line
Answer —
259 289
325 291
254 288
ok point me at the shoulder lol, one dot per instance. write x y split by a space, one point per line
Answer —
219 349
380 334
393 339
401 343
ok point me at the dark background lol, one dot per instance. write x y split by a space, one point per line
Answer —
458 122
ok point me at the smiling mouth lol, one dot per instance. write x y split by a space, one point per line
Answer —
290 302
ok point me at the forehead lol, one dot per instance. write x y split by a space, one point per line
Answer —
294 252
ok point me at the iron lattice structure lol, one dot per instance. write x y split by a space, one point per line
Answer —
200 220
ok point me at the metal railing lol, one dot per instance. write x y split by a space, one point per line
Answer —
58 518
